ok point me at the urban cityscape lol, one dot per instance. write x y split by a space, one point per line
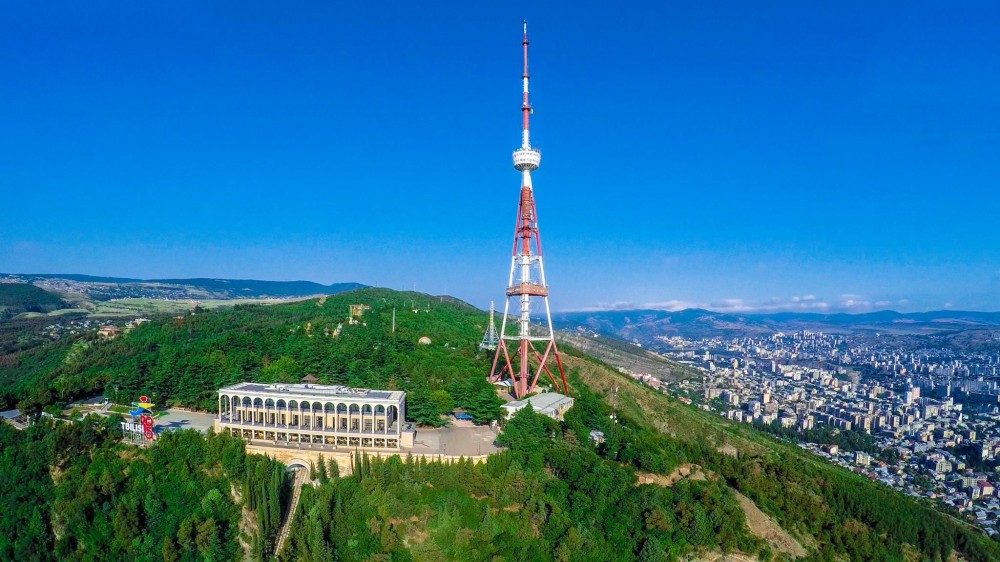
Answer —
918 417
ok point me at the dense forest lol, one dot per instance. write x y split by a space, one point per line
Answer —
184 360
549 497
16 298
74 492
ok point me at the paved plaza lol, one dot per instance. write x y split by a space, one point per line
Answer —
461 438
174 419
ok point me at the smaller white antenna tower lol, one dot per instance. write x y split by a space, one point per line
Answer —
491 337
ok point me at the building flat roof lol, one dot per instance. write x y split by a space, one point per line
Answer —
540 402
319 391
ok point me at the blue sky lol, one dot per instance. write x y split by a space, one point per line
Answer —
736 156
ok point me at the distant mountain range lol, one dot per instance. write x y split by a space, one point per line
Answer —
106 288
645 326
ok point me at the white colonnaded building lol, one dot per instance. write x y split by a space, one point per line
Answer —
330 417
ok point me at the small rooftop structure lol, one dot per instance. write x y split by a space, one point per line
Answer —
551 404
309 378
109 332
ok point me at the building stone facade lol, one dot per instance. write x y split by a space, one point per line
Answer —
334 417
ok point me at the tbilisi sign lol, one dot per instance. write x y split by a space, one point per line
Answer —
141 426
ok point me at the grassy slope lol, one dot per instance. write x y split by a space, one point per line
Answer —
688 423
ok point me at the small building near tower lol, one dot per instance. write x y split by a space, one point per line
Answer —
551 404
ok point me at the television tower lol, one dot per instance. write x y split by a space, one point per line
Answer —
527 279
490 338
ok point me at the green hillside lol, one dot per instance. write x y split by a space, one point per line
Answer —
17 298
184 360
554 495
73 492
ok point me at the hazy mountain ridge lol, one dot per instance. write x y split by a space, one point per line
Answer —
646 325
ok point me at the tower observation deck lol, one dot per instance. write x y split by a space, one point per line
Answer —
525 349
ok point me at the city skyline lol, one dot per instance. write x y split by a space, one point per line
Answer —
736 159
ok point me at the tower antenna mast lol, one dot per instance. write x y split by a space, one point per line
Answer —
535 345
491 337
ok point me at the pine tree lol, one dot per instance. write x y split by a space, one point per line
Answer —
322 475
168 552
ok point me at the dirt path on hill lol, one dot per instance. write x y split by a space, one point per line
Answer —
761 525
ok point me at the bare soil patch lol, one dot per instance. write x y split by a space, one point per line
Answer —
761 525
689 471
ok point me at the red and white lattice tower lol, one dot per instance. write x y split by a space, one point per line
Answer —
535 345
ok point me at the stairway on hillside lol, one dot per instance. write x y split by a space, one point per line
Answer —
300 478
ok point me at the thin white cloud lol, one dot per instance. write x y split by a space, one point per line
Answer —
852 302
605 306
673 305
847 302
735 305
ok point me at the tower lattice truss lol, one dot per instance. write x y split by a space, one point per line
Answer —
491 337
526 350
